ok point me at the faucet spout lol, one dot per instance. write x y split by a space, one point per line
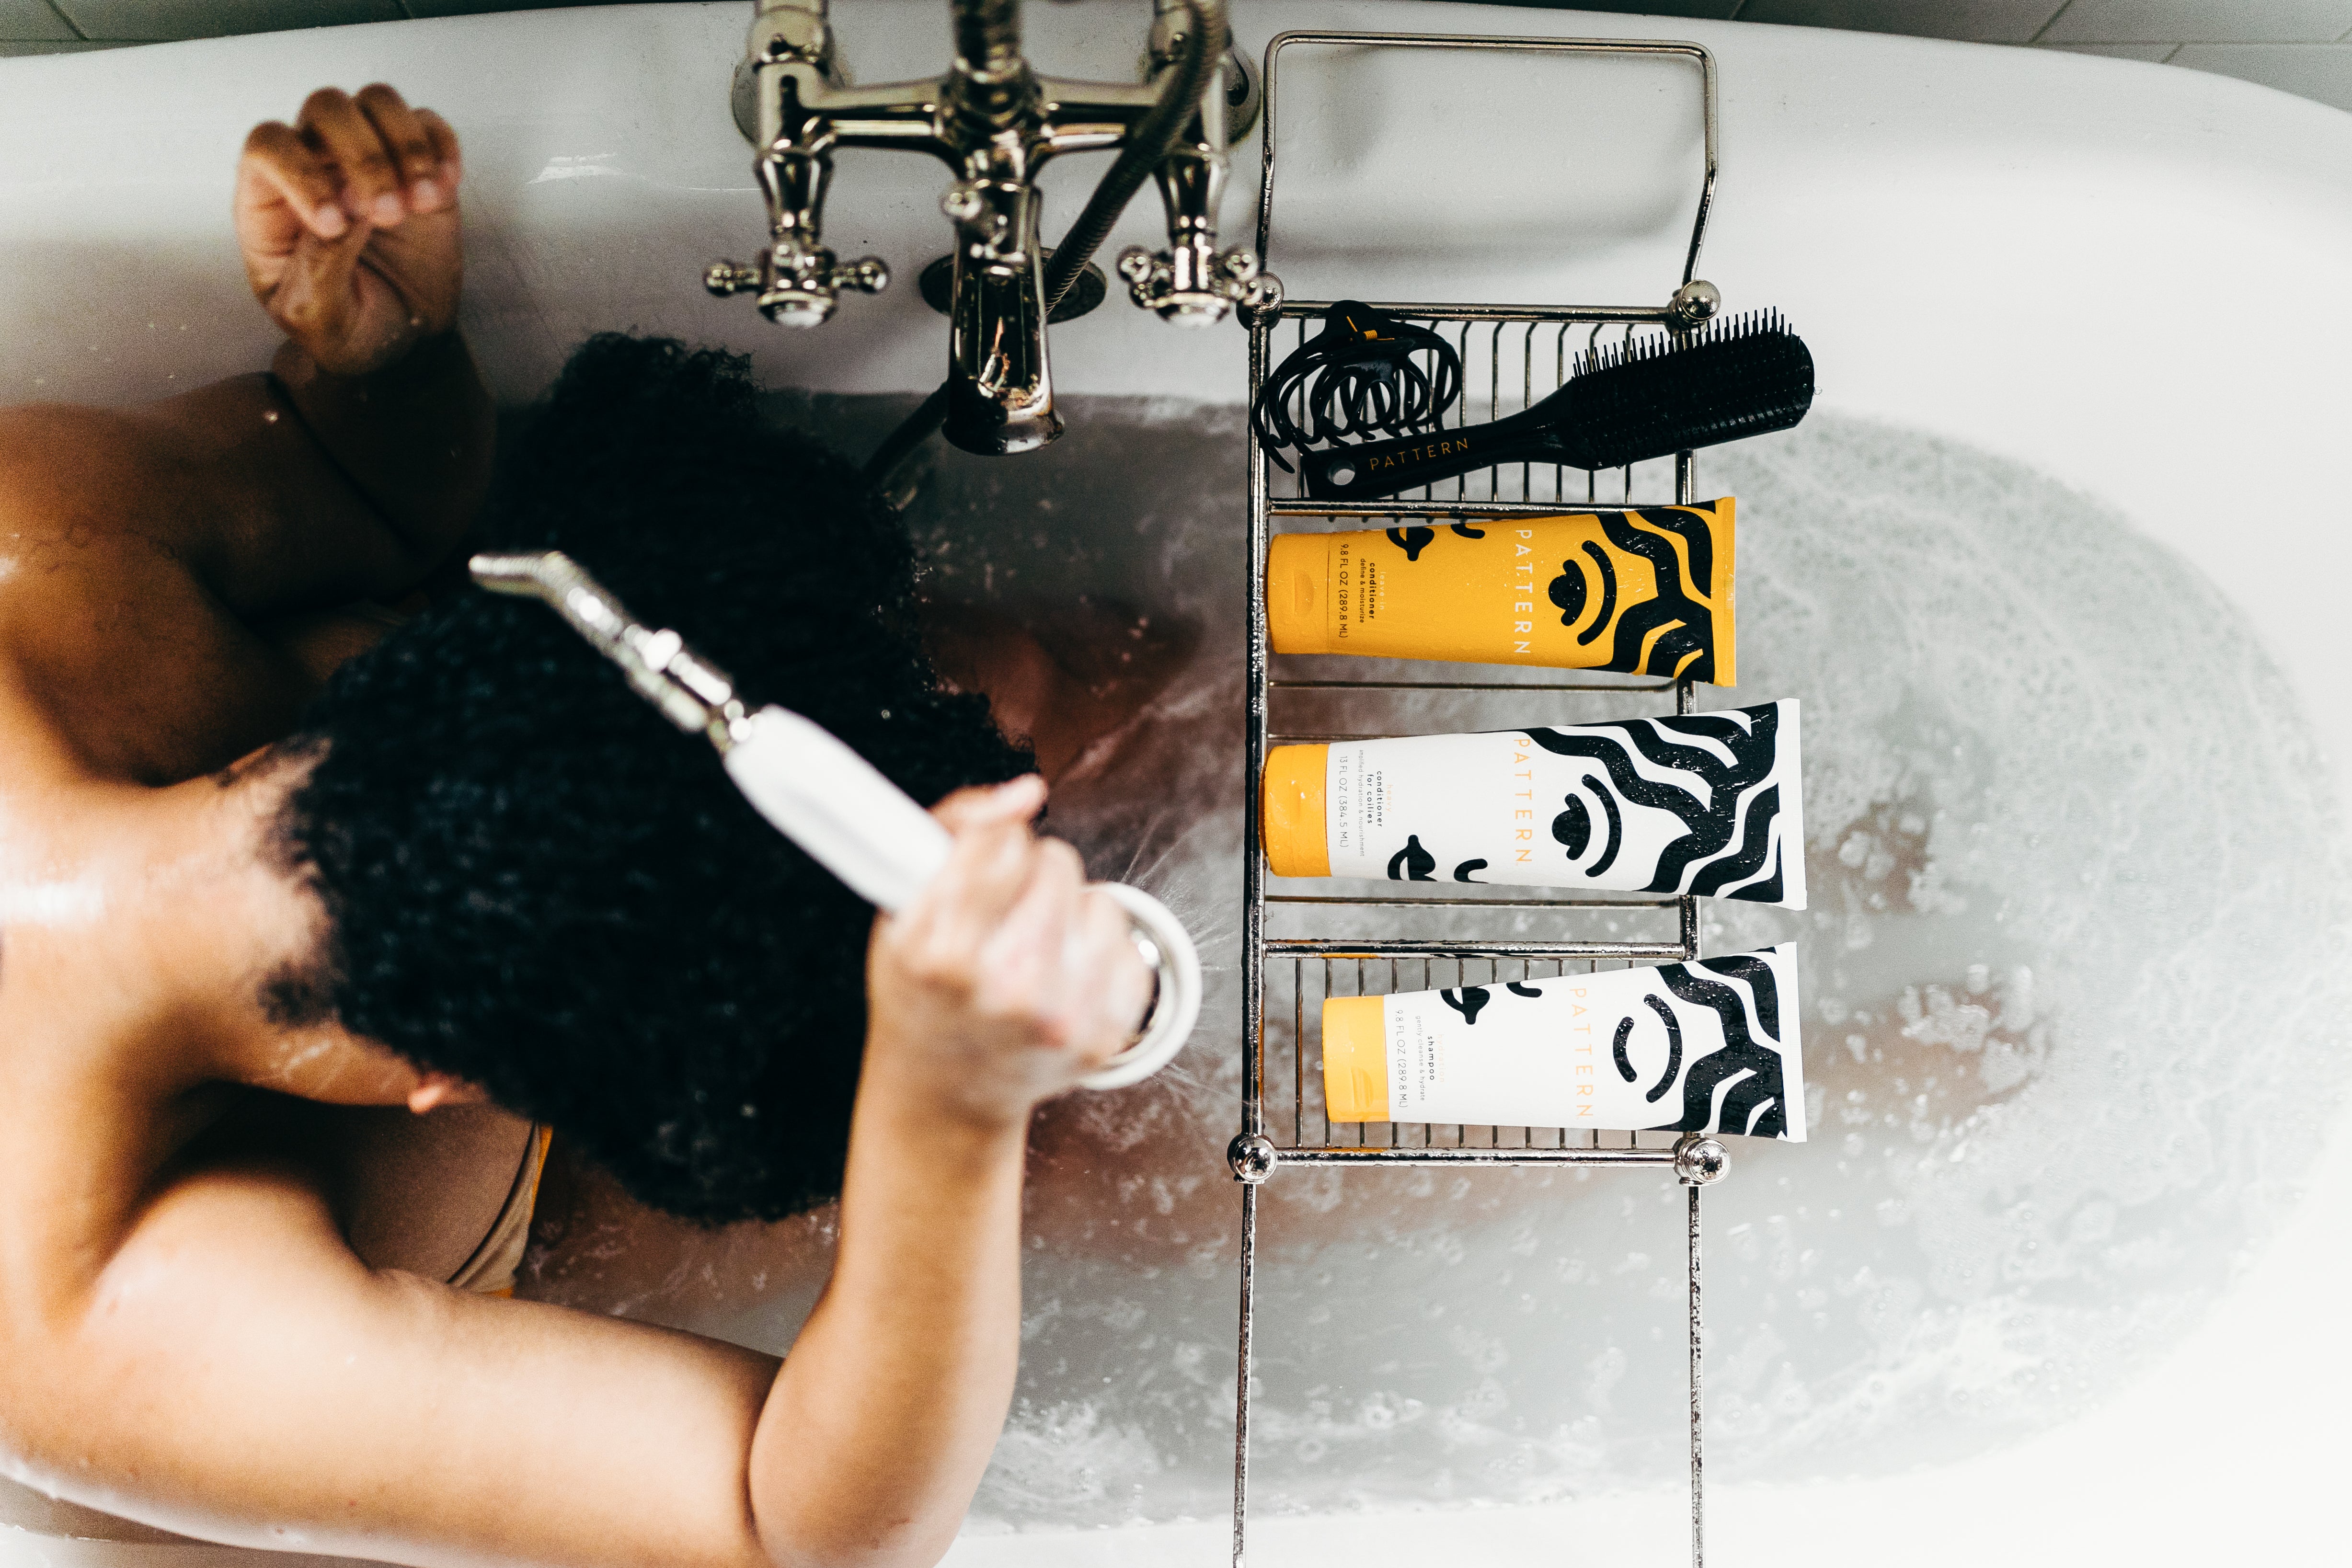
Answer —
1000 387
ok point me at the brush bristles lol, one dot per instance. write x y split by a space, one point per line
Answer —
1756 323
1656 395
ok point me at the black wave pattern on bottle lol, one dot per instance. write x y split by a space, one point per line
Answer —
1757 1103
1625 1068
1412 862
1573 826
1466 1000
1607 573
1607 857
1568 594
1708 824
1414 540
1684 649
1673 1049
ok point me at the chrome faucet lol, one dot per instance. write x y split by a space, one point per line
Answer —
995 123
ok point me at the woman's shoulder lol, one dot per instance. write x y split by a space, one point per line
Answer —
126 537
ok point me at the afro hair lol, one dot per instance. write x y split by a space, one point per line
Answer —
532 881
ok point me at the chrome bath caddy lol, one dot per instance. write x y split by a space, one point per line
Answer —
1512 355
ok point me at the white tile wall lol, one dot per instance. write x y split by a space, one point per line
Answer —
1712 10
1983 20
2150 52
474 7
147 20
2322 71
32 19
2200 22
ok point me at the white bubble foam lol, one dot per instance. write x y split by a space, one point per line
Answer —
2076 1005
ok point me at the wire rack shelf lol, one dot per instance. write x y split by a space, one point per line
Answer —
1298 949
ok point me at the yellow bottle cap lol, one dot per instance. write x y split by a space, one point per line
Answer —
1291 815
1355 1060
1298 593
1726 593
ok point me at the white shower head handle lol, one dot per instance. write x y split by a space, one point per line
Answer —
825 798
853 821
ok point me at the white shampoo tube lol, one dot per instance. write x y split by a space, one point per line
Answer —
1708 803
1711 1046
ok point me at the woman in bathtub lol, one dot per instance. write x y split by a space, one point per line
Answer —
292 986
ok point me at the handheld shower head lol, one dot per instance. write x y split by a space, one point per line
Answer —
821 794
691 692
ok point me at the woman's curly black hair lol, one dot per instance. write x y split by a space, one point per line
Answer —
532 881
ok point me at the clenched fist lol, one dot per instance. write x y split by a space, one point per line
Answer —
348 222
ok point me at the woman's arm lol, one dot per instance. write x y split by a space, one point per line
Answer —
412 440
348 221
353 469
1000 987
234 1372
154 554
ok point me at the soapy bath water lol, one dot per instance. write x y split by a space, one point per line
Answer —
2075 1005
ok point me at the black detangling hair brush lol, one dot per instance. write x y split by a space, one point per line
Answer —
1635 401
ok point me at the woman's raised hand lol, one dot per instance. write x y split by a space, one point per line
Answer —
1008 979
348 222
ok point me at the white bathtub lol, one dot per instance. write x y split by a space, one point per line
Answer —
2123 277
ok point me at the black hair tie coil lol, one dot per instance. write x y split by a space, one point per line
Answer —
1366 382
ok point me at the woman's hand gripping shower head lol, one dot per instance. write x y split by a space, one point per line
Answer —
1007 979
998 977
